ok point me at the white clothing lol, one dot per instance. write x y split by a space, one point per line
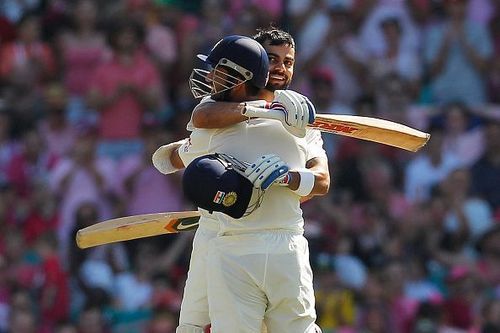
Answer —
194 306
260 276
258 266
421 175
247 141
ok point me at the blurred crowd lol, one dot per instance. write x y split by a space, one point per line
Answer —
404 243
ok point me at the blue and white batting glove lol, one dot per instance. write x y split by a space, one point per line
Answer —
266 170
297 109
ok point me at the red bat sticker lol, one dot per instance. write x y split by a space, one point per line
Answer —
328 126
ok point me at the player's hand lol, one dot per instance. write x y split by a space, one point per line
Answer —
266 170
297 109
260 103
161 158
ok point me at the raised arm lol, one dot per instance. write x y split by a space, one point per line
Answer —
218 114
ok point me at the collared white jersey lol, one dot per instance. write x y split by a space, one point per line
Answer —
247 141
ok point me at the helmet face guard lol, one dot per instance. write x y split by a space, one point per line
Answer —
204 82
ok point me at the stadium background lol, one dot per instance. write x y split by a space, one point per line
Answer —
403 243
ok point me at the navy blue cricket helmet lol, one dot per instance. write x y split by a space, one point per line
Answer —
211 183
243 55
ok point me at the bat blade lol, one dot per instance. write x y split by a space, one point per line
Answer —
372 129
136 226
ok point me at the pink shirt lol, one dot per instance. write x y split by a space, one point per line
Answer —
80 63
122 119
152 191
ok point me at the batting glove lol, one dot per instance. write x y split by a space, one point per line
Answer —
297 109
266 170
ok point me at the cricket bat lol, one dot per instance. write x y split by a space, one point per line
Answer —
136 226
372 129
366 128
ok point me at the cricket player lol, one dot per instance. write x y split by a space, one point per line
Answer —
194 313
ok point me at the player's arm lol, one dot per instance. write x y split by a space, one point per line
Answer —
319 167
218 114
166 158
294 110
312 181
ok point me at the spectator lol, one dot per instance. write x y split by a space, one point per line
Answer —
14 10
404 62
21 102
65 327
335 304
30 166
5 293
393 97
488 265
123 90
28 53
54 291
55 129
23 321
83 49
463 297
321 83
491 316
457 54
461 137
341 51
142 187
494 71
373 36
8 146
91 320
468 216
92 270
428 168
486 171
81 177
162 322
42 215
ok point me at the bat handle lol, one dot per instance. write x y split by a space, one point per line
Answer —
256 112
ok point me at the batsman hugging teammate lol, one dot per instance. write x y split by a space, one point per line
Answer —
247 256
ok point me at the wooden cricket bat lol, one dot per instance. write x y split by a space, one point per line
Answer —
372 129
136 226
365 128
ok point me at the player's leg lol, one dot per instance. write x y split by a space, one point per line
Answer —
289 287
194 307
236 302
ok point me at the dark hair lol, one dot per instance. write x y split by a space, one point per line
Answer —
275 36
391 21
27 16
118 26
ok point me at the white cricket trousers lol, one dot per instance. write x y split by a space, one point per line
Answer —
257 277
194 306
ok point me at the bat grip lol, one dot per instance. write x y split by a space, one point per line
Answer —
256 112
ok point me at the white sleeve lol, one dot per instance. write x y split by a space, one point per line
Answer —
314 144
161 157
196 145
207 99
